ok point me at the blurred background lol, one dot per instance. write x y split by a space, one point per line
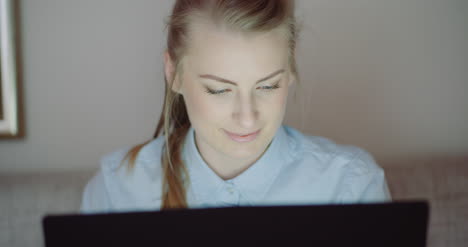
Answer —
388 76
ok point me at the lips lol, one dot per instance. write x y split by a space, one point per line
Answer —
242 137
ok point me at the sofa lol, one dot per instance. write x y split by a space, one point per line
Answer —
443 181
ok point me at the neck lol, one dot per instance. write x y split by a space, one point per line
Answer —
224 166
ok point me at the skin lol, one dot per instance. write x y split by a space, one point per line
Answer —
215 52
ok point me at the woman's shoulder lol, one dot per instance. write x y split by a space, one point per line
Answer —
148 155
147 167
116 187
350 169
327 152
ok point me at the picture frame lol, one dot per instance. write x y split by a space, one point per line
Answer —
11 123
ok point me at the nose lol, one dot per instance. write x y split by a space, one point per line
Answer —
246 113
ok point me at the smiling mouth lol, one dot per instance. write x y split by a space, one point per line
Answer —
242 137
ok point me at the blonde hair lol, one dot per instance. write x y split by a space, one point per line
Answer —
240 15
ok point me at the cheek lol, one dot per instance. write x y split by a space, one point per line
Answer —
277 102
202 107
281 98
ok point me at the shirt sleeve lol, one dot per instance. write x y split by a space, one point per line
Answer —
377 189
364 181
95 198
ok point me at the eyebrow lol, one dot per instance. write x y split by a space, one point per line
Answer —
219 79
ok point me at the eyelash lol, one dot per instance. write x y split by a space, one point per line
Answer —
268 88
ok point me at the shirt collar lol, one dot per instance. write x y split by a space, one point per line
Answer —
253 183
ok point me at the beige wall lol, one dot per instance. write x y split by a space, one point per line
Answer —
389 76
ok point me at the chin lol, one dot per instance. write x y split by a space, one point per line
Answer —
245 151
242 155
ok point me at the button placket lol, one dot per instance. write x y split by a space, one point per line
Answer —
230 189
230 194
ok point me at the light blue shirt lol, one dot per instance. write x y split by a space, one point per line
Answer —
296 169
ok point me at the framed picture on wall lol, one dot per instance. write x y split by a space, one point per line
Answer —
10 103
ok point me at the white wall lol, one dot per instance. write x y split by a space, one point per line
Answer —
389 76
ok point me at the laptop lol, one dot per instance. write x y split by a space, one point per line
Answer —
377 224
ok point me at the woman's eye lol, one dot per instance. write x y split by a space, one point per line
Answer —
222 91
270 87
211 91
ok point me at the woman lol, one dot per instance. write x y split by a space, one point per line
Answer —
220 139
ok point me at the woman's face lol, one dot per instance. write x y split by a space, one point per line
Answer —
235 87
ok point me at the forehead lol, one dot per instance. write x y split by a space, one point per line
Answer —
235 54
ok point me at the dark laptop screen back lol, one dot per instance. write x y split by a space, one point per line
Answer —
387 224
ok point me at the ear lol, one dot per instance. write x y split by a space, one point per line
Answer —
169 71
